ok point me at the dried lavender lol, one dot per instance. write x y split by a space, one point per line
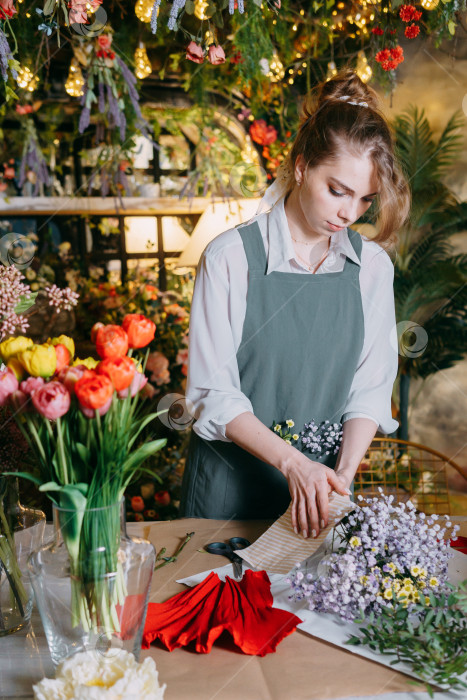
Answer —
61 299
5 57
154 13
33 159
177 6
390 556
12 290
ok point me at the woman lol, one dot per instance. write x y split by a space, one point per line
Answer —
291 320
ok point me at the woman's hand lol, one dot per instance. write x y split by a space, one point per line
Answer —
310 484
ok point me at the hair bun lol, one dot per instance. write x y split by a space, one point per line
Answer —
347 84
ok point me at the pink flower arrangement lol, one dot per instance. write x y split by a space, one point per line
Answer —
216 55
52 400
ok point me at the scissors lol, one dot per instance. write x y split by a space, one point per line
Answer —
227 550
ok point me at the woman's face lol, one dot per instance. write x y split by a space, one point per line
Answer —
336 192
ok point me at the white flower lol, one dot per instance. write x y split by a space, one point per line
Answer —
264 66
93 676
289 423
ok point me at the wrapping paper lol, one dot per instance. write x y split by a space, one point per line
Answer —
201 614
280 549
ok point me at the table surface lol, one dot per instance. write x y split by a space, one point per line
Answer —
302 668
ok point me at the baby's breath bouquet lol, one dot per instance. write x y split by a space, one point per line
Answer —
389 571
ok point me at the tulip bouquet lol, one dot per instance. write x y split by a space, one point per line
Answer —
83 419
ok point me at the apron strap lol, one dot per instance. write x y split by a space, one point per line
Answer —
254 247
357 243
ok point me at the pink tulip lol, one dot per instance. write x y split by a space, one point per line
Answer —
91 413
139 380
216 55
31 384
19 400
70 375
194 52
8 384
52 400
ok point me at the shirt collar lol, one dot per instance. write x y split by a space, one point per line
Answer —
281 248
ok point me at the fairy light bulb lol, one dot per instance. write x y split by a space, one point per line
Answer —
200 9
363 70
26 79
209 38
143 66
332 70
276 69
429 4
75 81
249 153
143 10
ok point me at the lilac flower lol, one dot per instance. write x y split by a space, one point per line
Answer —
33 159
11 291
325 438
61 299
177 5
84 120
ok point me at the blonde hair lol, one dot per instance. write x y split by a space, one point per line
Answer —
330 125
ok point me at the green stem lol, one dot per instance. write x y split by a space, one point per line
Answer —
173 558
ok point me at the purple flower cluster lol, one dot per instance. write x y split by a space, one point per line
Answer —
61 299
177 5
154 14
33 160
5 57
325 437
11 291
390 555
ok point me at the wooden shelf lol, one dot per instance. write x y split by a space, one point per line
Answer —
102 206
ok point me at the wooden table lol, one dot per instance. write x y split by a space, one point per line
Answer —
303 668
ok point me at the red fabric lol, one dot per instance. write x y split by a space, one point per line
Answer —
243 608
460 544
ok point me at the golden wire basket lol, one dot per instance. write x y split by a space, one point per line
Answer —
408 471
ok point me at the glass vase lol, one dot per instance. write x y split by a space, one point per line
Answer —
21 532
92 583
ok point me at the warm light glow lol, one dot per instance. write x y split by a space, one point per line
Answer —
75 81
200 9
332 70
143 10
276 69
249 153
429 4
143 66
363 70
209 38
26 79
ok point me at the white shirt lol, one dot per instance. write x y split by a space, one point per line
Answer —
218 312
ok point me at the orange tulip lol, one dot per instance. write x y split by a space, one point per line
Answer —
94 392
120 371
94 330
111 342
63 356
140 330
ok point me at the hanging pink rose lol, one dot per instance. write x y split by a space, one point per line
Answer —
23 109
104 41
52 400
31 384
194 52
139 380
8 384
216 55
7 9
78 13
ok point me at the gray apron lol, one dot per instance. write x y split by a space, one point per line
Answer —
301 341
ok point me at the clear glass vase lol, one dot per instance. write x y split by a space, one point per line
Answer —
21 532
92 583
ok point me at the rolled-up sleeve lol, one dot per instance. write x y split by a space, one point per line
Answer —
371 389
213 380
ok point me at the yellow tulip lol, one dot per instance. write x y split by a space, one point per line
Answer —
39 361
65 340
88 362
12 346
16 367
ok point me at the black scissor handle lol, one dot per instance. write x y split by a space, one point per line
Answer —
239 542
219 548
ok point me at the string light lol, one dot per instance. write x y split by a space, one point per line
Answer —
201 7
75 81
276 69
429 4
363 70
249 153
209 38
143 10
143 66
26 79
332 70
